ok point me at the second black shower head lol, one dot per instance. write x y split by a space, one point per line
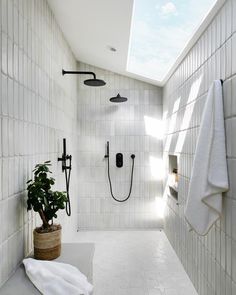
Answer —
118 98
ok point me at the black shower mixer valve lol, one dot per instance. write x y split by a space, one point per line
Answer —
64 159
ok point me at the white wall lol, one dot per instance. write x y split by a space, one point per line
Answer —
37 109
131 127
210 261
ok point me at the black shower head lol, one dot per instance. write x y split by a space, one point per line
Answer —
94 82
88 82
118 98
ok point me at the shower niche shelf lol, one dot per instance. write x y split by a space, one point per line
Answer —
173 177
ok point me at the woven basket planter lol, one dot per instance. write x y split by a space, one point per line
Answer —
47 246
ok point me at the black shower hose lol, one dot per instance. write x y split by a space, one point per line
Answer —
67 177
131 181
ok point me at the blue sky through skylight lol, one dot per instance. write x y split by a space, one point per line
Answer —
160 31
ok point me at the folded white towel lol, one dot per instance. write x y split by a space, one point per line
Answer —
209 175
54 278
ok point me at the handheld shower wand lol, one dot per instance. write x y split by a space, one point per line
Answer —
64 159
107 156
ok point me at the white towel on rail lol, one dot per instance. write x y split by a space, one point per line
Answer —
209 175
55 278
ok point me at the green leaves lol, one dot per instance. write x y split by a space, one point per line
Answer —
40 196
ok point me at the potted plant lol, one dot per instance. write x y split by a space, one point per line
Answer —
47 238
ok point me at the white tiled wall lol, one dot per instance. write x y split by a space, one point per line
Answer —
37 109
131 127
210 261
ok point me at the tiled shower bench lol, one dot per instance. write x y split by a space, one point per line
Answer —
79 255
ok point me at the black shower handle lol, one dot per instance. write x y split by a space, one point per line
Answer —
107 154
108 148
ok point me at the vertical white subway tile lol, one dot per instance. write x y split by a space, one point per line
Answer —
229 55
4 262
10 98
233 146
4 15
10 57
228 15
227 97
228 255
223 24
233 16
228 128
234 96
16 25
4 100
4 53
218 31
5 137
233 219
5 174
233 54
233 260
10 18
16 61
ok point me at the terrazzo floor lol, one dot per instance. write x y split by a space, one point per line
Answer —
136 263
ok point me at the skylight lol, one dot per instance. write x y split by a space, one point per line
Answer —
160 31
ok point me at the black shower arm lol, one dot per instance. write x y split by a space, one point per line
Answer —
78 73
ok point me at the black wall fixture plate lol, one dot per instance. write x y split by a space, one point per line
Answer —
119 160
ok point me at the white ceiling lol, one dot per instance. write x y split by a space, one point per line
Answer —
92 26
